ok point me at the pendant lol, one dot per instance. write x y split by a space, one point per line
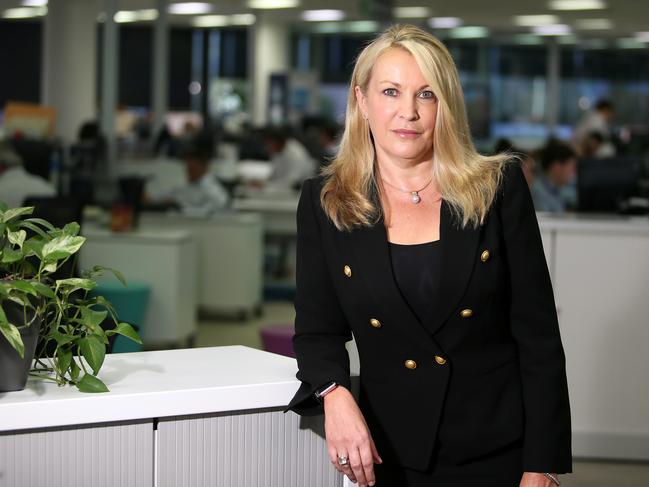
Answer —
414 197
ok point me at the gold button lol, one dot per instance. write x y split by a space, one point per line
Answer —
348 271
375 323
466 313
440 360
410 364
484 257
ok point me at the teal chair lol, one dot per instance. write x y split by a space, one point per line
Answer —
130 304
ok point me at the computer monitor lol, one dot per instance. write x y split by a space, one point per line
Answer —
603 185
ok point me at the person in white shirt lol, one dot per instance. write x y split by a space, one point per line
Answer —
16 183
292 163
202 194
596 122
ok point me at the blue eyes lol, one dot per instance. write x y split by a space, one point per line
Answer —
425 95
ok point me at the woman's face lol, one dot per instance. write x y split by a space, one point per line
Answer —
400 108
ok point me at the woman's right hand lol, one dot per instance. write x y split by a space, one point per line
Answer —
348 435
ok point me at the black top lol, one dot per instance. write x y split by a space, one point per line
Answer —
416 270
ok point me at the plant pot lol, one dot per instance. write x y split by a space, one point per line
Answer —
13 369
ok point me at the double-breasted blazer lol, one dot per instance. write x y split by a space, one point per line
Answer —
488 369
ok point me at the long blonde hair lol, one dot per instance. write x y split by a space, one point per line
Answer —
467 180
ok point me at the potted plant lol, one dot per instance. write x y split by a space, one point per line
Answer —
36 306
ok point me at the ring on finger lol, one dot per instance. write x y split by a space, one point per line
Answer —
343 460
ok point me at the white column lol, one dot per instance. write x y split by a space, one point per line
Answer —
269 54
109 79
160 81
554 89
69 64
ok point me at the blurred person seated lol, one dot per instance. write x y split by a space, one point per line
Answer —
291 162
597 121
558 171
16 184
202 194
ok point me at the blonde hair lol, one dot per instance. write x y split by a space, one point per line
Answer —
467 180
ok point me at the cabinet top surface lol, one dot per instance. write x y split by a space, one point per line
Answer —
156 384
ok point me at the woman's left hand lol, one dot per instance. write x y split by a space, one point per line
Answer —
534 479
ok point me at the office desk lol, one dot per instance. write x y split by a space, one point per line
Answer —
229 254
278 214
179 418
163 258
600 272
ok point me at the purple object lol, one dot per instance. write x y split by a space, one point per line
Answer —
278 339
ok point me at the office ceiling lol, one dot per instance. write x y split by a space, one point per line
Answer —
626 16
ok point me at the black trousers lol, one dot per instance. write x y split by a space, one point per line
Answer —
501 468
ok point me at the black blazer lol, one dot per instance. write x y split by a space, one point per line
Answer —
490 367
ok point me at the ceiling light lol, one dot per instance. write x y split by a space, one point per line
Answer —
593 24
630 43
124 16
362 26
444 22
210 21
469 32
268 4
34 3
24 12
242 19
552 30
322 15
411 12
535 20
642 36
577 4
527 40
190 8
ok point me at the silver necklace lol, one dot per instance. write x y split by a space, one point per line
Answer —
414 195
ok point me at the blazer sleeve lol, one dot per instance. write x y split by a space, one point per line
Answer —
321 329
534 325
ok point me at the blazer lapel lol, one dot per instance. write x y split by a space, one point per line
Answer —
458 255
372 258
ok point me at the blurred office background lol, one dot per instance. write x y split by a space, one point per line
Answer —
178 135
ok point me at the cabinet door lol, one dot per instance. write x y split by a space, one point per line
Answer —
602 291
253 448
105 455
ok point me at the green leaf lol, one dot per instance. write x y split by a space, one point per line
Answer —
43 290
62 338
76 283
17 238
34 246
64 360
10 255
98 269
41 222
71 229
90 383
126 330
24 286
34 228
74 370
12 213
62 247
51 267
92 318
12 334
93 350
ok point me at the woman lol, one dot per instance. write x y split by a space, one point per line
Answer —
431 255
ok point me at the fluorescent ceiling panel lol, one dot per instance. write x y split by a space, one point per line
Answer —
577 4
411 12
